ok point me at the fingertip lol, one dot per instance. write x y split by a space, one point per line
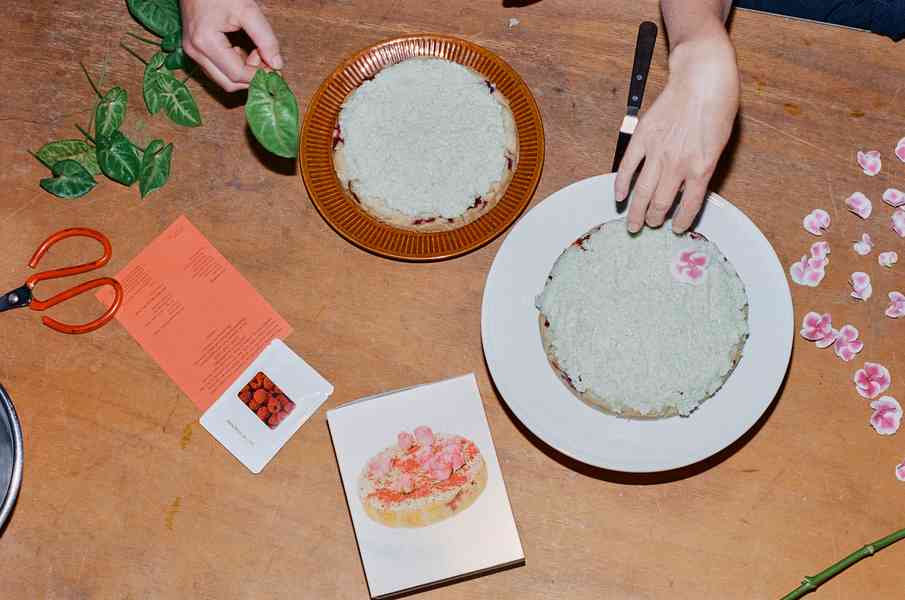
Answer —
276 61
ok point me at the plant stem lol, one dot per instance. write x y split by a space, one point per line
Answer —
138 147
40 160
91 81
809 584
133 53
142 39
85 133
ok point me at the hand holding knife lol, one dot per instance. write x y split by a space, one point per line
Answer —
644 50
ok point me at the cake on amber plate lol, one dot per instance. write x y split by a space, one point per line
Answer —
422 479
644 326
426 145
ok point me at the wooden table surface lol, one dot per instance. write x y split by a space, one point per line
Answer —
125 496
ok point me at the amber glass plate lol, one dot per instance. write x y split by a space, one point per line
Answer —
343 213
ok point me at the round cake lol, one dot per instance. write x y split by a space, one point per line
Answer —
426 145
422 479
645 325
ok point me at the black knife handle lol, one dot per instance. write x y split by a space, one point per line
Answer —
644 51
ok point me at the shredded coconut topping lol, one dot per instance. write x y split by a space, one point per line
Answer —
425 137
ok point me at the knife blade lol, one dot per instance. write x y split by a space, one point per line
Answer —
644 51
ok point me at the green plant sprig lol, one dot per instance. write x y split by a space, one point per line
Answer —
812 582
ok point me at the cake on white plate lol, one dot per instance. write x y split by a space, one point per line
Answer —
426 145
646 325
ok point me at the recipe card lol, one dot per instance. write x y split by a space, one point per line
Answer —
194 313
424 486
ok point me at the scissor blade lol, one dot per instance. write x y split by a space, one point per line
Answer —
16 298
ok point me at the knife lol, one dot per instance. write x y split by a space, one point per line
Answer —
644 50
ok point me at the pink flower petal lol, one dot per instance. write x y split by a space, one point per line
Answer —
896 307
847 343
440 469
804 274
689 266
870 162
887 415
405 440
861 287
865 245
424 435
817 220
872 380
888 259
849 333
894 197
828 340
816 327
820 249
898 221
900 468
859 204
900 150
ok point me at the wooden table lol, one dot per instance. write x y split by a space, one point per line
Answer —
125 496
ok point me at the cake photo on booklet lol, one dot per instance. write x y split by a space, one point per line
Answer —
646 325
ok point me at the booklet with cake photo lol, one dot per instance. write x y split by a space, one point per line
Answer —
424 486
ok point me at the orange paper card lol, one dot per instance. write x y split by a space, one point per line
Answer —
194 313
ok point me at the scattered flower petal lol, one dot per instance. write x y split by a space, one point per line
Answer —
859 204
816 221
690 266
861 288
818 328
887 415
900 468
865 245
820 249
898 222
900 150
870 162
847 343
808 271
872 380
513 22
896 305
894 197
888 259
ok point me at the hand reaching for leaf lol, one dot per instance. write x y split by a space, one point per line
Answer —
681 137
205 24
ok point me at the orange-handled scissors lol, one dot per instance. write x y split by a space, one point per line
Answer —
24 296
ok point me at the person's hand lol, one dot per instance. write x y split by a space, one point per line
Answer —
204 27
683 134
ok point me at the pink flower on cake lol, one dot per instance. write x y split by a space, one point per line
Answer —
896 307
888 259
818 328
847 343
690 266
816 221
424 436
861 288
869 162
859 204
887 415
898 221
865 245
872 380
894 197
405 440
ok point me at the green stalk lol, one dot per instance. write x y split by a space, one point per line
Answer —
40 160
143 39
809 584
133 53
91 81
86 134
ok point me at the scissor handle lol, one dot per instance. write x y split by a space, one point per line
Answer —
67 271
75 291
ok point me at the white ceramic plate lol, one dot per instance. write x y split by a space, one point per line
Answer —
540 400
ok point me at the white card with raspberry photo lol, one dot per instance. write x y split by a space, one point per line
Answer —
424 486
266 405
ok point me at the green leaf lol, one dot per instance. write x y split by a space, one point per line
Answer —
155 167
178 60
78 150
150 88
161 17
119 159
178 103
70 180
172 41
110 112
272 113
